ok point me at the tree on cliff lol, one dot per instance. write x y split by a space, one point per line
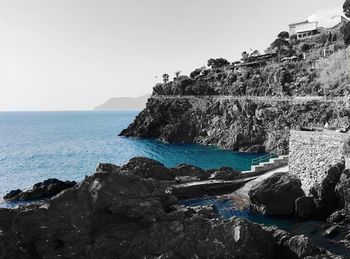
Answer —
345 30
281 46
305 47
283 35
165 78
177 73
245 55
217 63
346 8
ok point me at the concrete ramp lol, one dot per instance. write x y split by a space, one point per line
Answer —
238 188
207 188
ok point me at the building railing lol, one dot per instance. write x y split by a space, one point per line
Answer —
263 159
267 157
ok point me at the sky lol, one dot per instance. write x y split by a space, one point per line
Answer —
76 54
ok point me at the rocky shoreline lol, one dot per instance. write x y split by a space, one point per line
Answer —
130 212
236 123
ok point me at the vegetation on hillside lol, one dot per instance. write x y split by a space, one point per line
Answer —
346 8
334 73
295 76
314 66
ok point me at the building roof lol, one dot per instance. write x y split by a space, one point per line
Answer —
292 24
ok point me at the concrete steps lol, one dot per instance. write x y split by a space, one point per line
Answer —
273 163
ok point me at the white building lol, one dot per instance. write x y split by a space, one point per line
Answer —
303 29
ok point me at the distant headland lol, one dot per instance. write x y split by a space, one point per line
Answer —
124 103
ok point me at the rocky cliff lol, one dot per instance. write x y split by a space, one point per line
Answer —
238 123
250 108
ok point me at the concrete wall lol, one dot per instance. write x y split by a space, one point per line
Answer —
311 153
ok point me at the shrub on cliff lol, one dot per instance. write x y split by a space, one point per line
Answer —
197 72
346 8
165 78
334 74
217 63
305 47
282 47
283 35
345 30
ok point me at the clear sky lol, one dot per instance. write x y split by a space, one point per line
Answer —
76 54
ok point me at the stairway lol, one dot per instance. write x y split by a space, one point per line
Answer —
273 163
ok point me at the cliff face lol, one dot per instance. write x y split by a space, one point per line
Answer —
251 107
237 123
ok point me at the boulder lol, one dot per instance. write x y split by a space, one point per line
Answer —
301 246
148 168
337 216
190 170
12 194
331 231
106 168
276 195
343 190
41 190
225 173
324 193
291 246
305 207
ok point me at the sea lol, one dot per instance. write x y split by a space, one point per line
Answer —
35 146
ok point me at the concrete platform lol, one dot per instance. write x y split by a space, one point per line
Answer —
207 188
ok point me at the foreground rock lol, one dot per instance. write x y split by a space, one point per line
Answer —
324 193
343 190
276 195
120 215
42 190
225 173
324 199
148 168
297 246
190 170
305 207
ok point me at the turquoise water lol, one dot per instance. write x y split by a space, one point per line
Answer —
228 208
35 146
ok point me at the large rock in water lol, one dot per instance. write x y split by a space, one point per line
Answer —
276 195
42 190
121 215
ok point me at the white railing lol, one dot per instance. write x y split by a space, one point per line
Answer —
267 157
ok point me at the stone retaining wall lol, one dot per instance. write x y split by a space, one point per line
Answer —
311 153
